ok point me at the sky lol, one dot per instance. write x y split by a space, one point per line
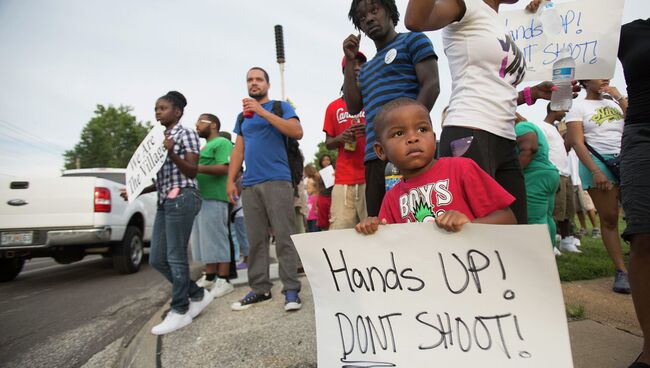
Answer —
59 59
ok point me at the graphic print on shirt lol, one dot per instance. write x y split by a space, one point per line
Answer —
342 115
606 114
422 204
518 64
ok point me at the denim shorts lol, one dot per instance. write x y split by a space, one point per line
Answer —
587 178
209 239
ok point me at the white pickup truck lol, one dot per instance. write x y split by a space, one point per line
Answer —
71 216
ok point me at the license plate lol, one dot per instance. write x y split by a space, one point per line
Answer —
24 238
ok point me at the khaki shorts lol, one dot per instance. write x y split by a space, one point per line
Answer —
583 200
565 208
348 206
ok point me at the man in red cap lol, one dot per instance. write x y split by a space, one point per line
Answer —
346 133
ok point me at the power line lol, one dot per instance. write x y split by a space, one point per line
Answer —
14 128
19 140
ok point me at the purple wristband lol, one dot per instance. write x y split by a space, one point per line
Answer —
528 96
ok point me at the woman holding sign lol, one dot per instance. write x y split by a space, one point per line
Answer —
481 116
178 204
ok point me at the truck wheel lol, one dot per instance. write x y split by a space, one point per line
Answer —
10 268
127 255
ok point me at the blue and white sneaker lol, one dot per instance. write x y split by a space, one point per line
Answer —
292 300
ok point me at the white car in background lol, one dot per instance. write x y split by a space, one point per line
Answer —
71 216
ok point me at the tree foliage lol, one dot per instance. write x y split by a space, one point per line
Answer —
322 150
108 140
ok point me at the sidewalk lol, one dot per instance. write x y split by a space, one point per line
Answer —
267 336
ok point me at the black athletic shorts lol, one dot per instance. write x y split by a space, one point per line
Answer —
635 179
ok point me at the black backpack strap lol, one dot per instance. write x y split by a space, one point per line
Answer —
595 153
277 108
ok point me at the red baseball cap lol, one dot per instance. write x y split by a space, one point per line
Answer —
360 56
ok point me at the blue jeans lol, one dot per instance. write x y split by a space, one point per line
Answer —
242 238
171 234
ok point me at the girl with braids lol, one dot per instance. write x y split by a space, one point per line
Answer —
178 204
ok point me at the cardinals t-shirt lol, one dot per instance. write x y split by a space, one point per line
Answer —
452 183
349 164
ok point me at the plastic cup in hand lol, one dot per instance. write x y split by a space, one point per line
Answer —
247 113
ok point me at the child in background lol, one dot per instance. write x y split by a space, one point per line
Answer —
312 198
451 191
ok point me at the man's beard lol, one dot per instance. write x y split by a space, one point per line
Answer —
257 95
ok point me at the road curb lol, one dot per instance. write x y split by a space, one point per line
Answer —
145 349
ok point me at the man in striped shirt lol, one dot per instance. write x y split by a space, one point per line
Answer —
405 66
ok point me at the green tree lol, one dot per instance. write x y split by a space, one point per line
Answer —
322 150
108 140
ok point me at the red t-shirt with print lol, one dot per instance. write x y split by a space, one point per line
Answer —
452 183
349 164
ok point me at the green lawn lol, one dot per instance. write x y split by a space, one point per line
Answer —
592 263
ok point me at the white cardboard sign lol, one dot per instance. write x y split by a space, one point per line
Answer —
147 159
327 174
590 28
413 295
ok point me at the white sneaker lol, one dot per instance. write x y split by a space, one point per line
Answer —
221 287
556 252
204 283
197 307
568 245
172 322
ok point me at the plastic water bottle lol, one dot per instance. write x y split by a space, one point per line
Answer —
550 18
391 175
563 73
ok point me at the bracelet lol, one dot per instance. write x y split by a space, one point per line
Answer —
528 96
596 172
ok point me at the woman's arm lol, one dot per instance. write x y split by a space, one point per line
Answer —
544 91
528 146
432 15
618 97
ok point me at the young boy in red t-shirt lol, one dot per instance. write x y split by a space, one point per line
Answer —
450 191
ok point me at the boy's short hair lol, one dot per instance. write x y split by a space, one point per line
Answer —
380 119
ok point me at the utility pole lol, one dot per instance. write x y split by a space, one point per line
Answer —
279 52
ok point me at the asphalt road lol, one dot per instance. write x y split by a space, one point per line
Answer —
55 315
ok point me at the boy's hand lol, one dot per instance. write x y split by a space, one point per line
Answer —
123 194
370 225
452 221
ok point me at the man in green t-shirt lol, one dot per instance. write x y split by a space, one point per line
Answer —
210 243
